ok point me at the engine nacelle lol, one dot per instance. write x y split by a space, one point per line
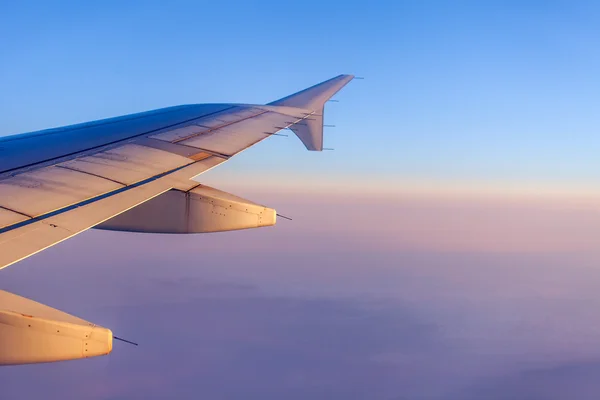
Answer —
201 210
32 332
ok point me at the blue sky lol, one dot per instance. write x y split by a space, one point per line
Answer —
455 91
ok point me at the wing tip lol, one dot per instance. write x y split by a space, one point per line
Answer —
314 98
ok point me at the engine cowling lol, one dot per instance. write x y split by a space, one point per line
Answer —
31 332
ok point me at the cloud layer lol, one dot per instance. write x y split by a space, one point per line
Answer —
393 298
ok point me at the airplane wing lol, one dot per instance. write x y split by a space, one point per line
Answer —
131 173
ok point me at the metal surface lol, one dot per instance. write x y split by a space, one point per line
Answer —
8 217
44 190
32 332
180 133
313 98
201 210
30 149
128 164
230 139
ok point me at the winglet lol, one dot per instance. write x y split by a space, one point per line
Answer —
310 131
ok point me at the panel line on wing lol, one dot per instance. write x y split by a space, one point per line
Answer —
89 173
88 201
238 136
219 127
179 149
129 163
16 212
47 189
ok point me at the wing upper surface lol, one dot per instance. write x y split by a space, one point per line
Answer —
57 183
30 149
43 206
